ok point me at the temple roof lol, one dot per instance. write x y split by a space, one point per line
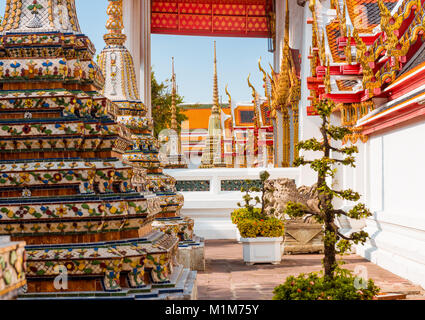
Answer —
365 14
417 60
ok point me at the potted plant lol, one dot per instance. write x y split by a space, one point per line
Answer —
239 215
261 235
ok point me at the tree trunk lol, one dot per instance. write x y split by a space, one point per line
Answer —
329 261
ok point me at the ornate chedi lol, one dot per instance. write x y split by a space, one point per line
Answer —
121 88
174 157
66 186
212 155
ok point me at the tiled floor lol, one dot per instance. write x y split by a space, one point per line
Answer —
228 278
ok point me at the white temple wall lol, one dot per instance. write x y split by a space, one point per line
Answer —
394 193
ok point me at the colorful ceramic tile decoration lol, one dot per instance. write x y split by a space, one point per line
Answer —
80 179
12 268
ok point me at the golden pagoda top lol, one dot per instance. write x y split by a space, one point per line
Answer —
115 24
173 99
216 104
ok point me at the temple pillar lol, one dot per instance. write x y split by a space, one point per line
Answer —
137 27
296 26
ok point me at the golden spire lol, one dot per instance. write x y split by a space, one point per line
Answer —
216 104
173 100
115 24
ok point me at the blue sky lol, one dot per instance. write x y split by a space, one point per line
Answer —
237 57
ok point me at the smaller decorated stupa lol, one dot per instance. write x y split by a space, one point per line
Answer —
212 156
174 157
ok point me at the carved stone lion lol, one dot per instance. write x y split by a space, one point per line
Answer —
301 235
282 191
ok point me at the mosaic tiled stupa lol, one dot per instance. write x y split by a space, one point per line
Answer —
121 87
65 185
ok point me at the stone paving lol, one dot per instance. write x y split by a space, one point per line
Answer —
228 278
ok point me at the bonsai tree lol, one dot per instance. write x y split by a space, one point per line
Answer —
249 188
334 241
252 220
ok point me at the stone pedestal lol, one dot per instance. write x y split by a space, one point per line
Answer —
303 238
192 255
191 247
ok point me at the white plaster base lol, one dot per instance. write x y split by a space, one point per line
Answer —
262 250
212 223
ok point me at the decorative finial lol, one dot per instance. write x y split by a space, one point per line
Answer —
115 24
228 94
254 92
264 77
173 99
254 95
216 104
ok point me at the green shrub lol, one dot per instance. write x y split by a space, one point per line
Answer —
267 227
313 286
243 213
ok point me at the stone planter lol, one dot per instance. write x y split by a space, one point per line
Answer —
303 238
262 250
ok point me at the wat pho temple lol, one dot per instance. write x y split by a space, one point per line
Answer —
85 190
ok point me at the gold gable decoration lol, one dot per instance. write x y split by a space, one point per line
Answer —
285 95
